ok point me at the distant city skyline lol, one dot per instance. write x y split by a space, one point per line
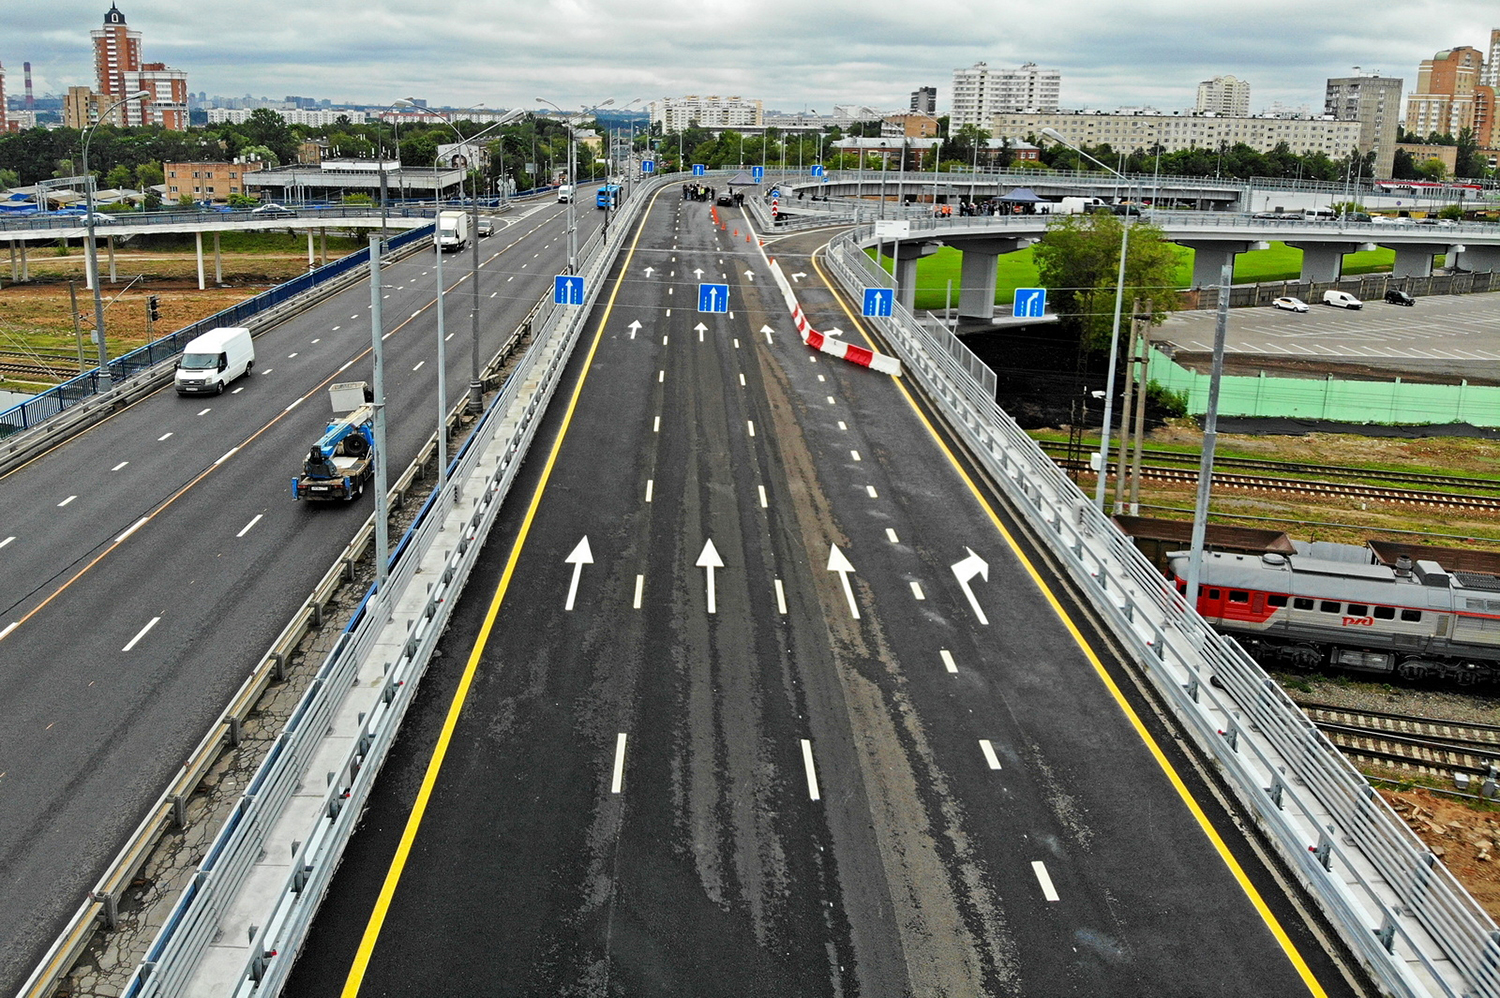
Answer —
460 53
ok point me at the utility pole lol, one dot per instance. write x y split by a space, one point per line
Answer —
1144 321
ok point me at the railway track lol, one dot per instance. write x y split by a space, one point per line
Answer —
1297 468
38 372
1343 490
1432 748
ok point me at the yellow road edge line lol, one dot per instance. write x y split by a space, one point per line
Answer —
371 936
1238 872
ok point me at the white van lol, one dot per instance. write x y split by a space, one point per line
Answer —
565 193
1342 299
215 359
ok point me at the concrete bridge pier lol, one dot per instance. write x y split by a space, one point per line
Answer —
906 255
1325 261
1210 256
198 244
1475 259
1415 259
977 280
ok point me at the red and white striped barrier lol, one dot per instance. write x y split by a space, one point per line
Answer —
828 344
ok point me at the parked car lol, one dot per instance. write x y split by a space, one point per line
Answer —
486 227
1290 304
1341 299
82 217
273 211
1398 297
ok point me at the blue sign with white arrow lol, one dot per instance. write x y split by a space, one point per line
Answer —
713 297
567 289
817 170
879 301
1030 303
648 166
758 173
699 169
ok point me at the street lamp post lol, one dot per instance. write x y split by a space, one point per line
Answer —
568 122
91 253
1114 338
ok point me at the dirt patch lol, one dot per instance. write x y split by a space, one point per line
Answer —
1464 835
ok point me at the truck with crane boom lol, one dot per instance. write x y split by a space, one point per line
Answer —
342 462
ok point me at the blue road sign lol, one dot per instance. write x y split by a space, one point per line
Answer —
817 169
879 301
1030 303
648 166
758 173
567 289
713 297
699 169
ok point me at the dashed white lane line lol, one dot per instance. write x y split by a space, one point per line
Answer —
870 491
751 424
66 501
640 585
656 425
661 376
164 436
842 426
7 541
119 466
890 535
266 371
320 339
336 328
1040 869
812 773
247 526
948 662
821 378
830 400
205 412
419 365
736 342
663 341
141 634
854 454
761 491
989 753
780 597
619 777
137 525
238 390
291 355
742 381
916 591
650 482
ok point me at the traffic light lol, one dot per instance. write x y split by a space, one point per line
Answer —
152 311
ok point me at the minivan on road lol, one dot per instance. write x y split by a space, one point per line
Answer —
1341 299
213 360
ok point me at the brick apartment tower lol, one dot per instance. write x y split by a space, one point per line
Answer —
117 51
4 124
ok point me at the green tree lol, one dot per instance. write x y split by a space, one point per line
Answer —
1451 211
9 179
1469 162
120 177
265 127
261 153
149 175
1078 261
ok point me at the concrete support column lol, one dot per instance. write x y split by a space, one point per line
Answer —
977 281
15 273
1476 259
109 247
322 246
1210 256
198 242
25 264
218 262
1415 259
1324 261
310 263
906 255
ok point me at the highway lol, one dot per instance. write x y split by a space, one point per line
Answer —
756 692
147 564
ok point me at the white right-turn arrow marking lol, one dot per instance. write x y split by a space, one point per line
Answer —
965 571
840 564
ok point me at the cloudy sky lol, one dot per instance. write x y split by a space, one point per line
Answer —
793 55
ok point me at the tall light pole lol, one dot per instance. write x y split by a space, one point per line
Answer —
1114 337
568 123
91 252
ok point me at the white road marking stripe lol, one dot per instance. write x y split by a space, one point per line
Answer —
227 455
252 523
614 786
780 597
842 426
640 585
348 364
870 491
119 466
761 489
7 541
164 436
751 423
661 376
890 535
742 381
916 591
649 483
812 774
948 662
205 412
132 529
419 365
290 355
66 501
854 454
267 371
656 425
830 400
821 378
11 627
768 336
336 328
1048 891
238 390
989 753
319 340
736 342
142 634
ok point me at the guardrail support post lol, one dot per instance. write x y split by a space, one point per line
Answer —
234 731
1323 851
179 811
1275 790
111 910
1191 686
1387 931
280 661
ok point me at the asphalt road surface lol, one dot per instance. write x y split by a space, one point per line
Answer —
771 731
146 565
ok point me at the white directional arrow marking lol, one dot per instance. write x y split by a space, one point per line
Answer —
767 330
965 571
834 331
580 557
698 273
649 270
749 275
710 560
838 563
634 328
701 328
799 275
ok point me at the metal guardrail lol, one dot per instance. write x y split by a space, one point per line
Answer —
512 417
1407 919
16 222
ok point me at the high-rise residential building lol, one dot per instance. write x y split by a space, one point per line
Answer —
1224 95
4 123
1450 97
81 108
119 72
1374 102
980 93
1173 132
1490 75
924 101
675 114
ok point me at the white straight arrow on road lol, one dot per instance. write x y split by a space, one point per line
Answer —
749 275
710 560
965 571
634 328
580 557
698 273
768 331
649 270
701 328
838 563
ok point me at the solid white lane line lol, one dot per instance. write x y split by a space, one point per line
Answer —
989 753
854 454
649 483
614 786
761 489
141 634
916 591
890 535
252 523
870 491
119 466
205 412
419 365
780 597
137 525
9 627
163 436
656 425
227 455
948 662
812 774
7 541
1048 891
640 585
751 423
66 501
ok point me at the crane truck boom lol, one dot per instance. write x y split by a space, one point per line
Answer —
340 464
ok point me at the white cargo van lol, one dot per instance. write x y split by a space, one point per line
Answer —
1342 299
565 193
215 359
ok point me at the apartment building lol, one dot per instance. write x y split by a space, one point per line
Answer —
676 114
980 93
206 181
1224 95
1450 97
119 71
1128 132
1375 102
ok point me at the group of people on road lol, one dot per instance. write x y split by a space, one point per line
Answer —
697 192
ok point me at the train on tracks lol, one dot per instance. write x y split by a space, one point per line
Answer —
1336 606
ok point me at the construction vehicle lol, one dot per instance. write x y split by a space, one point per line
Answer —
342 462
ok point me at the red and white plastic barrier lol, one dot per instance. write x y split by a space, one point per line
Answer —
828 344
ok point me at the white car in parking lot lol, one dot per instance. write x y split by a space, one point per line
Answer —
1290 304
